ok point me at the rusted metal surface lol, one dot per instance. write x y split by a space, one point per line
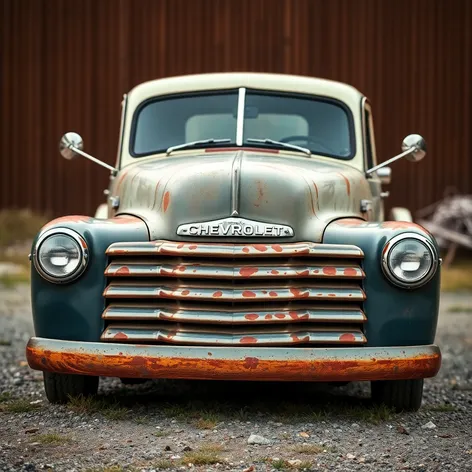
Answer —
147 268
310 364
172 333
224 315
231 293
199 249
416 73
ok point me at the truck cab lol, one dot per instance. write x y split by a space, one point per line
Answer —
243 238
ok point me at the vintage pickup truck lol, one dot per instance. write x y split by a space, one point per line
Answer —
243 238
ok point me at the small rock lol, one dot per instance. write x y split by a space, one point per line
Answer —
350 456
295 462
361 460
31 430
304 435
167 448
250 469
429 425
256 439
187 449
174 458
402 430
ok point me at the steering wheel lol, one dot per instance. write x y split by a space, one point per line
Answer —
308 139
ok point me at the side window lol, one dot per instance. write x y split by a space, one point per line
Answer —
368 139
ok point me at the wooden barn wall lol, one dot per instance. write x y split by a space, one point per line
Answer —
65 65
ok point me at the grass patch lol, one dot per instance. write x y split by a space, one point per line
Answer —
205 455
457 277
18 406
160 434
19 226
5 342
111 410
460 309
112 468
10 280
444 408
163 464
51 439
5 396
283 464
308 449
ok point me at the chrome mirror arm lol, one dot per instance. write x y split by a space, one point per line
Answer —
393 159
114 170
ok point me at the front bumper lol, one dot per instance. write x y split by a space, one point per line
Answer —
228 363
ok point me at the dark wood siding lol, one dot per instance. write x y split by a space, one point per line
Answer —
65 65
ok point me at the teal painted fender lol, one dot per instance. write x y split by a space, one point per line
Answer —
395 316
73 311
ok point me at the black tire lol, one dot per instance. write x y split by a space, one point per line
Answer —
402 395
132 381
59 387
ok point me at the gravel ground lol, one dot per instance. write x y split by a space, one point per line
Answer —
164 425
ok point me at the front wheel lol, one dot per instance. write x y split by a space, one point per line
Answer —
60 387
402 395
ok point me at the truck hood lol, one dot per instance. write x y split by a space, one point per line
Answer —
304 193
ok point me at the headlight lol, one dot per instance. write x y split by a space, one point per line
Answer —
61 255
409 260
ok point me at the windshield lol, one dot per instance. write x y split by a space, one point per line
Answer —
244 117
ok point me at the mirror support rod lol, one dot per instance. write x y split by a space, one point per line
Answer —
91 158
393 159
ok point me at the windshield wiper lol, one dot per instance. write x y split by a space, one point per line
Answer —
279 143
196 143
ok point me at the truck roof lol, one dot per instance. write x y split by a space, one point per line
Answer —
231 80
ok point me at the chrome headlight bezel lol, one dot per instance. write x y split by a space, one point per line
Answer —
387 251
83 251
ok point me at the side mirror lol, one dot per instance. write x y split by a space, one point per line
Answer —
413 147
385 175
68 143
416 145
71 145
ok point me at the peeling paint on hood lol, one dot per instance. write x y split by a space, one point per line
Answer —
303 193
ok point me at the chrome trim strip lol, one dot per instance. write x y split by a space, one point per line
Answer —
240 118
235 183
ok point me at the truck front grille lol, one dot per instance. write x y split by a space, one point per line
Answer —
164 292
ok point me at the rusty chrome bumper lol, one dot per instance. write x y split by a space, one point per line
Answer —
228 363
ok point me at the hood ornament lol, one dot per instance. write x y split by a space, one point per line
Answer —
235 227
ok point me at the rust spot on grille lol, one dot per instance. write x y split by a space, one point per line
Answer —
180 246
296 292
296 339
274 272
304 273
122 270
331 294
185 292
248 271
166 201
193 247
251 316
181 268
347 338
260 247
248 294
251 362
280 316
273 294
248 340
329 270
120 335
350 272
277 247
218 294
245 250
268 317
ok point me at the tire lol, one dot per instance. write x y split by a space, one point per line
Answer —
132 381
59 387
402 395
